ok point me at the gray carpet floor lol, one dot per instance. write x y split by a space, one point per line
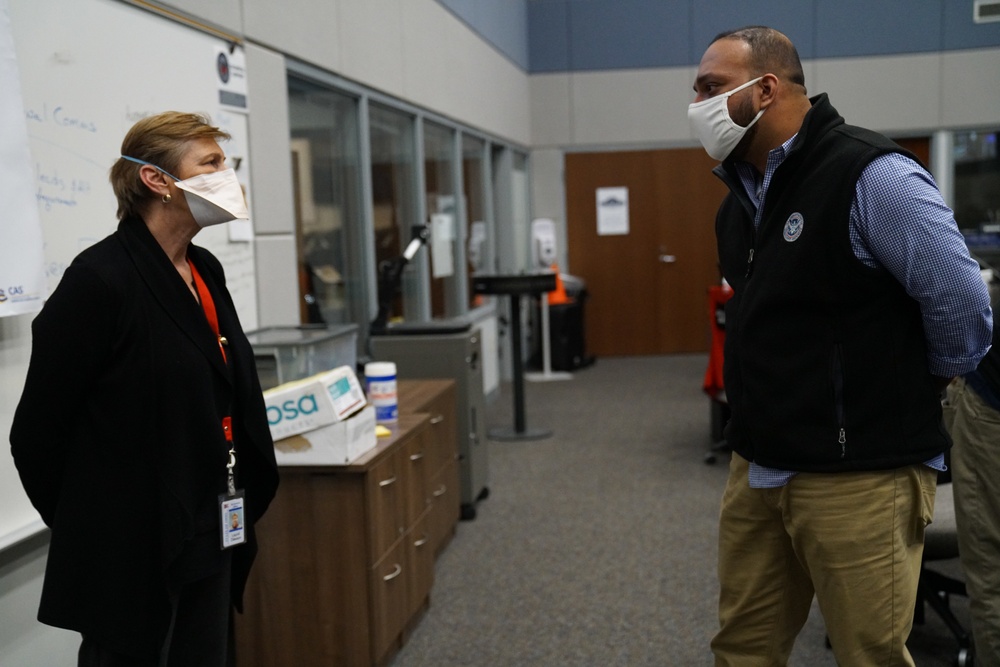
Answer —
596 546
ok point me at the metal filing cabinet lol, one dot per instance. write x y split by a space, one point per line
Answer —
451 351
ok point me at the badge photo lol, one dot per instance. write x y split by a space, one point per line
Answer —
232 516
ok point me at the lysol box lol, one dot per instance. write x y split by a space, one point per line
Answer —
313 402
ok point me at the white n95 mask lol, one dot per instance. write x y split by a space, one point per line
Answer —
215 197
715 129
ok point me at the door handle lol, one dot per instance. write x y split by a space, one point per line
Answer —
668 259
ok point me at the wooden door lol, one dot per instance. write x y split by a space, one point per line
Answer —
648 289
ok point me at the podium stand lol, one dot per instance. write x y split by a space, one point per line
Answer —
516 286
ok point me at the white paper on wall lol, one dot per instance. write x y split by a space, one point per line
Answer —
442 242
612 211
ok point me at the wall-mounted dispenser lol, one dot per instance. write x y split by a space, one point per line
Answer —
543 243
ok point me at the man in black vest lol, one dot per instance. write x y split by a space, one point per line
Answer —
855 302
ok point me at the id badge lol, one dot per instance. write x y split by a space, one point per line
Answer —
231 510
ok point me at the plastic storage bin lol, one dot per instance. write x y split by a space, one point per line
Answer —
283 354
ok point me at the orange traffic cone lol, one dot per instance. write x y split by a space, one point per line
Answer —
558 295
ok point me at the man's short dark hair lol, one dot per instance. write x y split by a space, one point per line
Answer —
770 51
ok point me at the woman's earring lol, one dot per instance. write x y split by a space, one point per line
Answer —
166 199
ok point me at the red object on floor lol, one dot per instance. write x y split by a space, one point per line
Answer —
717 298
558 296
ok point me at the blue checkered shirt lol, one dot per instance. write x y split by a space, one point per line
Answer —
900 222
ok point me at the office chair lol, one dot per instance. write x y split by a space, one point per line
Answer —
934 588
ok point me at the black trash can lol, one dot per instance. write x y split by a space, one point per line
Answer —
567 341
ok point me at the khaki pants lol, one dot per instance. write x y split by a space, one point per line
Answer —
975 461
854 539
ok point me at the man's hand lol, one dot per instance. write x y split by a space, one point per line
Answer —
941 382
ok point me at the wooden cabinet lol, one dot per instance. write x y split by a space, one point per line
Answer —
346 559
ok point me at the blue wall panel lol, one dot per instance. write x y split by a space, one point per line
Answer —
548 36
865 28
961 32
626 34
582 35
792 17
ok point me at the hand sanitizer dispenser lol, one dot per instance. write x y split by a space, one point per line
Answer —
477 245
543 243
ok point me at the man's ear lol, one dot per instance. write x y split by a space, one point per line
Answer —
768 90
154 179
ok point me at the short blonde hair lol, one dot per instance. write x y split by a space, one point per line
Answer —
160 140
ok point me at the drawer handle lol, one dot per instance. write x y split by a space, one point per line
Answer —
440 492
387 482
395 573
437 419
417 456
421 542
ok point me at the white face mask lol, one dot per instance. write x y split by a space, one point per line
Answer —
716 130
213 198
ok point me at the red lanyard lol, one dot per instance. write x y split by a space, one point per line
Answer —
208 305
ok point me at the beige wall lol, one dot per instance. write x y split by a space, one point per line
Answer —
411 49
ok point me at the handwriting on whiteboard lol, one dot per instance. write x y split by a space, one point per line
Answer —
55 190
58 115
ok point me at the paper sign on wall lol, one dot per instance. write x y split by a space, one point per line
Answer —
442 241
231 78
612 211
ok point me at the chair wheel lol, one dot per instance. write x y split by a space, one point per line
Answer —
964 658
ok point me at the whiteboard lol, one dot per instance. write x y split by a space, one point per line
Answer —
89 69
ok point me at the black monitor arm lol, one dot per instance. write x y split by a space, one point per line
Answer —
390 274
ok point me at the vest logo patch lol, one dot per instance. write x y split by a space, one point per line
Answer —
793 227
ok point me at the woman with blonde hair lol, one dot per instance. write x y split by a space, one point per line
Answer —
142 400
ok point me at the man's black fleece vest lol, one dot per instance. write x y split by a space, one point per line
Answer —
825 364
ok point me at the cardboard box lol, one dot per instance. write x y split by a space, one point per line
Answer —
334 444
313 402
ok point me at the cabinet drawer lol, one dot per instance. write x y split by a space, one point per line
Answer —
419 541
437 398
417 459
443 431
401 583
387 498
390 591
445 506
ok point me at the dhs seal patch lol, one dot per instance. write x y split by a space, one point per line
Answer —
222 67
793 227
